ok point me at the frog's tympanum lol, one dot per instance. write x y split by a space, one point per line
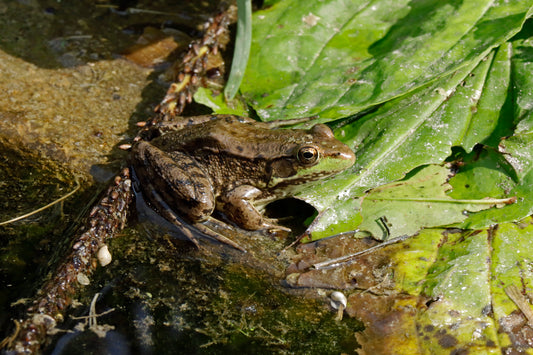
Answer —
234 164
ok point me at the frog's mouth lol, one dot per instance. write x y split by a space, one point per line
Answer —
304 175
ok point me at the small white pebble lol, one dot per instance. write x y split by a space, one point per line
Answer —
83 279
104 256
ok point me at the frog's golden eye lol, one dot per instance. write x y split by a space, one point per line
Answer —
308 155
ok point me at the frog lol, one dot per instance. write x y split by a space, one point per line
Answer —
234 165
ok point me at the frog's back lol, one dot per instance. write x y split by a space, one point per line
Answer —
235 137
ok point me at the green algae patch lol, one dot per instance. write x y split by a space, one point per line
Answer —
200 303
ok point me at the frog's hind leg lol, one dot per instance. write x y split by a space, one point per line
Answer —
164 210
167 213
178 179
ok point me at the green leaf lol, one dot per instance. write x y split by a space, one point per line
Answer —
517 150
412 267
511 260
485 124
219 104
483 173
417 129
421 128
468 281
522 69
335 58
405 207
451 287
242 48
388 143
459 284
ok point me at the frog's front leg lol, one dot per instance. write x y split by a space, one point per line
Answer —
237 204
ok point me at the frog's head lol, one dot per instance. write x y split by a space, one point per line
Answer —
314 154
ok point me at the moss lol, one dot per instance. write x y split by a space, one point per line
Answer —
183 299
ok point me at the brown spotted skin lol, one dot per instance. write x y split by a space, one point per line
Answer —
184 186
229 162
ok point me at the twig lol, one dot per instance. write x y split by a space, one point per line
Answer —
332 263
64 197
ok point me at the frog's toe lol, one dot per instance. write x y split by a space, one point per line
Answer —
280 228
275 230
280 233
217 236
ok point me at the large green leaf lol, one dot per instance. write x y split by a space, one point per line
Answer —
517 149
459 283
416 129
334 58
431 63
465 276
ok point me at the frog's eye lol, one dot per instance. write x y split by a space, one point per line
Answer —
308 155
